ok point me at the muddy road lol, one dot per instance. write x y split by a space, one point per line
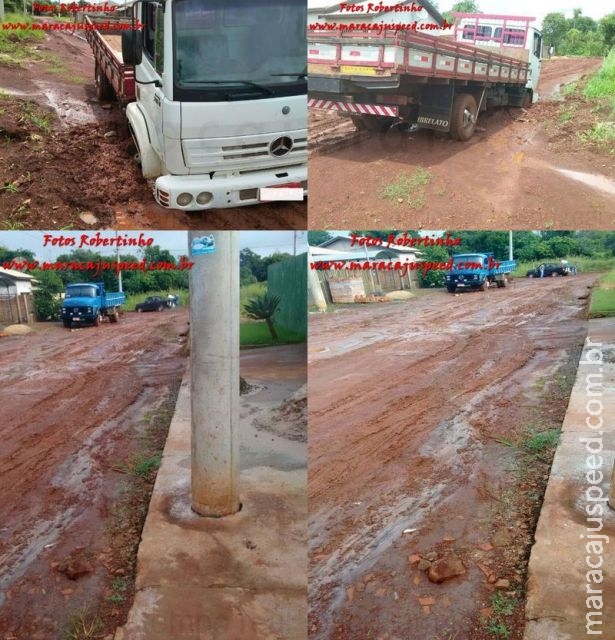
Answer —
66 163
74 407
419 416
523 169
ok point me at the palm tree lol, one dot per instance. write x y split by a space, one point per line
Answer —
262 308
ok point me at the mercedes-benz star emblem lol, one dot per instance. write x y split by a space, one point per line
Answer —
281 146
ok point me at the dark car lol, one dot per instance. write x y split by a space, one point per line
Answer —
548 270
152 303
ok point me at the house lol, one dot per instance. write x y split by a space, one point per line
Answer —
16 297
347 264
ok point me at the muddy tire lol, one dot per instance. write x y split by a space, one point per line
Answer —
526 103
104 90
450 288
97 320
504 282
484 286
67 324
464 116
113 316
377 124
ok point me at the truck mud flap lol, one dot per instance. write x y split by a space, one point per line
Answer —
435 107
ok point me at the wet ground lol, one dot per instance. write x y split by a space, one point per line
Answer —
417 411
74 403
77 170
518 171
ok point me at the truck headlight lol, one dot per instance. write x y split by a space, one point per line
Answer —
184 199
204 197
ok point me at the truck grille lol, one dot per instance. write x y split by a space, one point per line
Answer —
252 153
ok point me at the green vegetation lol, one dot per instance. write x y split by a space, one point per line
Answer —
39 118
602 304
408 188
16 45
257 333
579 35
602 85
502 607
248 291
263 308
83 625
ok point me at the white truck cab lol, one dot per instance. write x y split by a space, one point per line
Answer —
513 36
221 98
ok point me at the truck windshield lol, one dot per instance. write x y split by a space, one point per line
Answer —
467 263
81 291
239 49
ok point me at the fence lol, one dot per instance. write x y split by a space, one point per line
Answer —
288 280
374 281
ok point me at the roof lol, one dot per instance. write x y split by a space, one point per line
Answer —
322 7
16 275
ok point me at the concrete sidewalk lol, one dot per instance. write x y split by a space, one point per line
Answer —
243 577
559 583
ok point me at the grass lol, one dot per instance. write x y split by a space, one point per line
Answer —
248 291
584 264
257 333
601 133
14 44
134 298
83 625
602 84
409 188
602 303
540 441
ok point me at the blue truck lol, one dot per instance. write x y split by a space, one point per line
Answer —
477 271
89 303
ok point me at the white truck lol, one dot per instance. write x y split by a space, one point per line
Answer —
215 96
439 82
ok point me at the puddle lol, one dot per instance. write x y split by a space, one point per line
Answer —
601 183
69 110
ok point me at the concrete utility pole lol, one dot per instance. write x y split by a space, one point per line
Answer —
314 284
1 10
214 353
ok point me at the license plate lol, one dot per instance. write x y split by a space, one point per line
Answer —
282 192
358 71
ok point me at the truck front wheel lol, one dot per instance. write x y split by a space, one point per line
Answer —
484 285
67 324
97 320
450 288
464 116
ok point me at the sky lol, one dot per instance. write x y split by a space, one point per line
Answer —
262 242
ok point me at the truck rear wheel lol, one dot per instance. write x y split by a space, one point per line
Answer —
104 90
113 316
464 116
377 124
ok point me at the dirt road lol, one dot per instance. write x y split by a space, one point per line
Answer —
514 173
74 405
67 160
418 413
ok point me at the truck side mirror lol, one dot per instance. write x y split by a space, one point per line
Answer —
132 47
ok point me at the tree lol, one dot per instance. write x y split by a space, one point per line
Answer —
607 29
554 29
433 277
316 238
251 260
262 308
47 303
466 6
246 276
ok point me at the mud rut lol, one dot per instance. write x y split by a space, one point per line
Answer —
512 174
73 404
84 166
407 404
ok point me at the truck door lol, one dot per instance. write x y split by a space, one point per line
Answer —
152 67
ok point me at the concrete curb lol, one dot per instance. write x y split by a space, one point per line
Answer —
558 600
233 578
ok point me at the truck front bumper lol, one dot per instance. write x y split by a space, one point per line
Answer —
200 192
